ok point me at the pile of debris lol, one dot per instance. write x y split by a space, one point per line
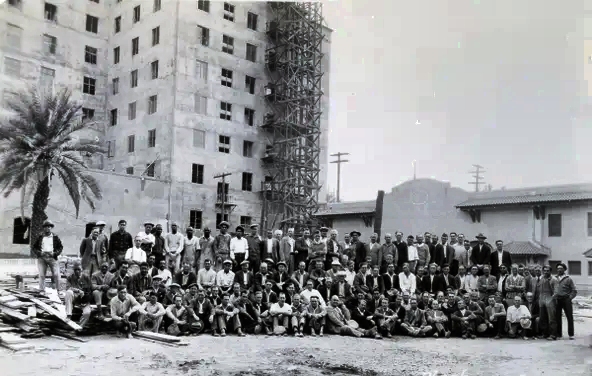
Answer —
33 314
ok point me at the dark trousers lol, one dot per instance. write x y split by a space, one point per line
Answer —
238 258
564 304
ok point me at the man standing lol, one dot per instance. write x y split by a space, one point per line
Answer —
136 255
206 243
287 249
480 253
271 248
423 253
92 252
255 248
545 291
374 251
412 254
460 256
158 247
358 249
221 246
565 291
401 251
190 253
239 248
102 236
334 250
389 248
47 248
302 248
119 243
498 258
173 245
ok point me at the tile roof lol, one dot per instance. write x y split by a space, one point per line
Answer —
525 199
527 248
345 208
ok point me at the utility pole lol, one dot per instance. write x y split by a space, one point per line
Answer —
339 161
223 198
477 175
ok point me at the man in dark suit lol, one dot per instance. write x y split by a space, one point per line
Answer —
302 246
185 277
270 248
481 253
341 288
255 248
375 280
429 282
262 276
402 251
390 279
445 280
92 252
245 278
499 254
359 249
268 295
441 251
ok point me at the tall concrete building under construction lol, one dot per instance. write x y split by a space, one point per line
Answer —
182 91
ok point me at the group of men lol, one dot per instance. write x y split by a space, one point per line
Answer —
312 284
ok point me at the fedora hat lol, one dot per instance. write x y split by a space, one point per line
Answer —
481 236
355 232
525 323
48 223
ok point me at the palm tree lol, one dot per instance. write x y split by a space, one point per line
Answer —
40 140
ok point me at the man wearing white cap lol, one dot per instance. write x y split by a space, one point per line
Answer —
102 236
173 245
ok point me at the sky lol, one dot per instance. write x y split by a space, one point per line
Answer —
492 82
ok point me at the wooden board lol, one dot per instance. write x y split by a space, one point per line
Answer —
49 309
7 298
13 313
11 339
157 336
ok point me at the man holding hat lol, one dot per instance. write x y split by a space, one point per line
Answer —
255 248
153 311
47 248
518 319
221 246
239 248
119 243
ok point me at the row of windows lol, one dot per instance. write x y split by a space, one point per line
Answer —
555 225
131 113
136 45
573 267
196 219
229 14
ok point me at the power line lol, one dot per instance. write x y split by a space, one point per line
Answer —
478 178
339 161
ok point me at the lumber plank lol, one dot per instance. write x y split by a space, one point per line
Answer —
18 347
13 313
157 336
11 338
157 342
49 309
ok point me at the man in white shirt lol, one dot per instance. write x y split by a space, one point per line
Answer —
239 248
191 249
165 273
412 254
518 319
225 277
136 255
407 281
281 312
308 292
173 245
350 273
147 233
206 277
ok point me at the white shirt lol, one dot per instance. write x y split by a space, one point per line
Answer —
239 246
500 283
269 246
499 257
47 244
407 283
150 237
412 254
166 276
135 254
173 243
472 283
275 308
225 279
306 295
514 314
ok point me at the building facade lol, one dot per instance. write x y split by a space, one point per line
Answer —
178 92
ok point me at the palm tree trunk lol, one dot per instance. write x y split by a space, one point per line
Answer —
40 202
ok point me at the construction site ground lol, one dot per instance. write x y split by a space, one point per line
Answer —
331 355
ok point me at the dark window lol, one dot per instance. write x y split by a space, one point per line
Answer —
157 5
203 5
250 84
195 219
247 184
249 116
131 143
110 149
219 219
115 85
129 170
227 44
245 221
574 267
137 14
135 46
49 44
229 12
89 85
131 111
554 224
152 104
154 69
251 52
95 1
51 12
134 78
197 173
150 169
224 144
88 113
90 55
152 138
248 149
156 36
226 78
113 117
15 3
92 24
219 191
252 21
20 234
590 268
116 55
203 34
225 111
117 24
589 224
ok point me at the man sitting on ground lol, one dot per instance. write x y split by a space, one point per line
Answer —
123 306
154 312
518 319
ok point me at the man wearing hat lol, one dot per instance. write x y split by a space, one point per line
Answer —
239 248
281 277
190 253
255 248
173 245
518 319
357 250
565 291
335 268
206 242
120 242
480 253
225 277
78 290
221 246
245 278
158 288
92 252
102 236
154 312
324 231
47 248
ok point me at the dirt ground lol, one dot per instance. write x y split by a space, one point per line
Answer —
331 355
